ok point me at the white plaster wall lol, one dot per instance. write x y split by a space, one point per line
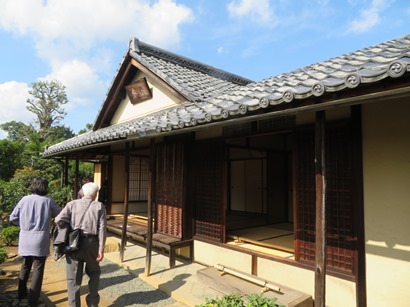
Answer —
211 255
386 164
127 111
339 292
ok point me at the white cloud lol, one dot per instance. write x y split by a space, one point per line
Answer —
13 102
369 17
74 37
83 23
81 81
220 50
258 11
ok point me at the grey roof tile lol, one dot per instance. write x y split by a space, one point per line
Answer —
217 95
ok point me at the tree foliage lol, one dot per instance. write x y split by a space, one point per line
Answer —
47 104
10 194
21 151
10 153
17 131
88 127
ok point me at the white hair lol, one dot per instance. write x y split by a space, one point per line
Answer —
90 189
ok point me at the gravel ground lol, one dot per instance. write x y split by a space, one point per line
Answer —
122 288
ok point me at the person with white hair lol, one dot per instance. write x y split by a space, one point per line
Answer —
88 215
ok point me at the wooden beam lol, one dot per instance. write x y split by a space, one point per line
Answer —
126 204
159 80
76 181
357 194
151 193
320 170
66 172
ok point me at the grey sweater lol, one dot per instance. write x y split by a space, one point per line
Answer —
94 222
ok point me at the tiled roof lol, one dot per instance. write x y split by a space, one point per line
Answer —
195 80
214 102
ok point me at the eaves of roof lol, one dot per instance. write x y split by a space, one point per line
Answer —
370 65
192 80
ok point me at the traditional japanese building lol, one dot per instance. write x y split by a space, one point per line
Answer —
302 178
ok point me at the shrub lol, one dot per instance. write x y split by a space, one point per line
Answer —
237 300
61 195
10 234
228 300
262 301
3 254
10 194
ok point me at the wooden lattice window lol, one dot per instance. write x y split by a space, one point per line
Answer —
340 228
209 183
170 189
138 181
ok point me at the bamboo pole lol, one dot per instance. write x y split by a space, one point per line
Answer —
264 284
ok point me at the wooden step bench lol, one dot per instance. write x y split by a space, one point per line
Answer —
160 241
171 244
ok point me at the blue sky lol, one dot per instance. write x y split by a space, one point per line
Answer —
82 42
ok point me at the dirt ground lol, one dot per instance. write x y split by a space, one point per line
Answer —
54 289
10 269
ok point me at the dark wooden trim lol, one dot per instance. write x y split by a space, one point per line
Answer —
66 171
151 193
109 183
186 208
225 185
157 79
76 181
254 269
126 193
295 152
302 265
357 195
320 169
117 91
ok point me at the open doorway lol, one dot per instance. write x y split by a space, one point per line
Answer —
260 207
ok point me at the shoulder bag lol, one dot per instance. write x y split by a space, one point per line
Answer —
73 238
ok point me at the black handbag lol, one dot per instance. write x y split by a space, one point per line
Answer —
73 240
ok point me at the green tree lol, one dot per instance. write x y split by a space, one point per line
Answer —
88 127
58 134
47 103
20 167
26 175
17 131
10 153
10 194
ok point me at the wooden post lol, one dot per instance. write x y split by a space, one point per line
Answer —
151 193
126 192
320 169
66 171
76 189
